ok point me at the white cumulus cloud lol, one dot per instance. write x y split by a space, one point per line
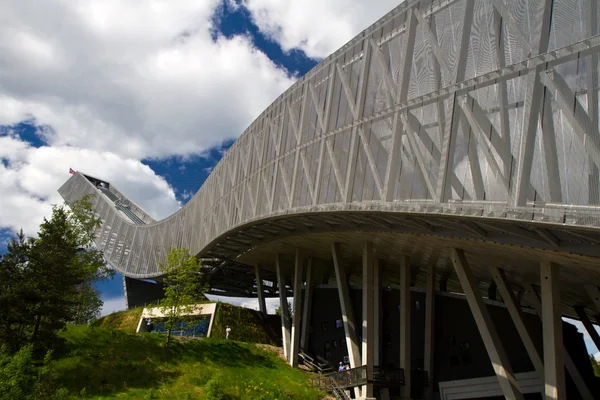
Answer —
136 78
316 27
30 177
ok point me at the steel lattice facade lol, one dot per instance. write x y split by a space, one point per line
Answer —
483 108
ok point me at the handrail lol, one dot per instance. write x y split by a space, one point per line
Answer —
358 376
315 363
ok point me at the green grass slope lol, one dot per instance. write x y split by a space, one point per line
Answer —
126 321
246 325
100 363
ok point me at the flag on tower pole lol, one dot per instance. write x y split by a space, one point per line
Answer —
72 171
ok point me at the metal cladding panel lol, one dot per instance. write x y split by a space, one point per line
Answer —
456 106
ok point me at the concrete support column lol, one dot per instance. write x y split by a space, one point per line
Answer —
376 312
487 330
283 304
262 305
297 311
584 391
307 304
405 307
429 328
348 319
368 323
554 382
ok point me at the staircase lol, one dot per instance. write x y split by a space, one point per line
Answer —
338 392
317 364
119 205
328 384
134 218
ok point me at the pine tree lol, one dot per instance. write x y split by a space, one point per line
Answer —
14 317
184 285
46 282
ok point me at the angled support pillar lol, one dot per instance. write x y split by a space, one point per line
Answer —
405 307
368 320
348 319
262 306
589 327
283 304
554 383
584 391
307 304
594 294
297 317
517 317
429 329
487 330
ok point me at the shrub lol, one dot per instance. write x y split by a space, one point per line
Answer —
214 389
17 375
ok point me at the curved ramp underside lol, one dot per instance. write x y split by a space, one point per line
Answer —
482 114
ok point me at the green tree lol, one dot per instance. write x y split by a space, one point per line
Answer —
595 365
290 312
13 289
47 281
184 285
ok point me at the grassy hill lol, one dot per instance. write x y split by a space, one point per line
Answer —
100 363
126 321
247 325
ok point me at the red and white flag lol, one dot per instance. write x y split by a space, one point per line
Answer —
72 171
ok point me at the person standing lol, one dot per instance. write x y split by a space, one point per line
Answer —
227 332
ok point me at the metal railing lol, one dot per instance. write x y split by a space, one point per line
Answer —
316 364
358 376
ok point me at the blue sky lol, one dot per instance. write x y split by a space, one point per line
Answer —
148 94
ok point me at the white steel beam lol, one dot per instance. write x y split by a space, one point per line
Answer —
307 304
392 171
405 327
300 152
372 162
377 312
283 305
533 101
347 91
483 140
589 327
317 182
360 105
416 151
348 319
554 382
297 311
574 112
502 94
428 362
594 294
591 26
368 320
551 152
262 306
517 317
584 391
506 14
385 71
491 340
